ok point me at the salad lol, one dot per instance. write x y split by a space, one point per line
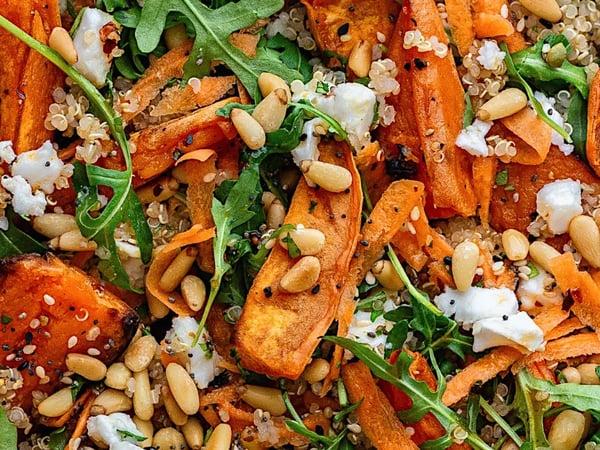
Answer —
305 224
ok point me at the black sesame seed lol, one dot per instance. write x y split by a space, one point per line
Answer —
344 216
343 29
189 139
452 301
504 317
47 164
447 260
268 291
420 64
364 243
29 337
407 66
23 365
338 286
316 289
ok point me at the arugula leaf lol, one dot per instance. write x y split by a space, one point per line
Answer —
577 118
129 434
424 399
8 431
290 55
58 439
111 5
469 113
212 28
15 242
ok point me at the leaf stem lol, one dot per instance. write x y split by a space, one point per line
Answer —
500 421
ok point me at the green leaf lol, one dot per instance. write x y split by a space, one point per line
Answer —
577 118
293 250
111 5
58 439
129 434
8 431
212 28
531 408
290 55
14 242
469 113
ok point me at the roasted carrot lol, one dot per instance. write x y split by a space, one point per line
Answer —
461 24
484 177
532 136
277 332
82 417
550 317
375 414
592 148
564 328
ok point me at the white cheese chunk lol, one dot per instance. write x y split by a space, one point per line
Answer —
477 303
41 168
308 148
516 330
540 289
202 365
24 201
106 430
472 138
558 202
7 153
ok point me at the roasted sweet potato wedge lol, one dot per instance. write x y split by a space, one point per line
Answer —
49 309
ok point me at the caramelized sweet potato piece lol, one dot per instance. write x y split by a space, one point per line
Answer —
50 309
593 126
277 331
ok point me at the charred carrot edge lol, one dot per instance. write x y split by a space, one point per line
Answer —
81 425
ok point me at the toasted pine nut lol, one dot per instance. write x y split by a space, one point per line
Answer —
85 365
178 269
266 398
53 225
275 215
267 199
110 401
309 241
117 376
587 371
167 438
516 245
57 404
183 388
158 190
542 253
302 276
506 103
60 40
567 430
193 291
140 353
509 445
73 241
316 371
177 416
330 177
193 433
571 375
157 308
249 129
146 428
464 264
384 272
270 112
545 9
175 36
220 439
142 396
359 60
586 236
268 82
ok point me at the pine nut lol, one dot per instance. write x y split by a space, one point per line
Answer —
53 225
542 253
140 353
571 375
146 428
72 241
330 177
586 236
275 215
302 276
309 241
85 365
267 200
509 445
177 416
168 438
159 190
271 110
183 388
220 439
249 129
316 371
567 430
506 103
545 9
464 264
516 245
268 82
175 36
117 376
587 371
57 404
193 433
142 396
265 398
384 272
110 401
359 60
178 269
193 291
157 309
60 40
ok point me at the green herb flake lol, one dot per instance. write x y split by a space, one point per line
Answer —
534 270
129 434
502 177
293 250
6 319
313 205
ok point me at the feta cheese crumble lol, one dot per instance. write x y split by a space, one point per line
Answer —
7 154
516 330
472 138
42 168
558 202
108 431
371 332
541 289
24 200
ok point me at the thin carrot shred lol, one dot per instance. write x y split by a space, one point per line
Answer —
564 328
81 426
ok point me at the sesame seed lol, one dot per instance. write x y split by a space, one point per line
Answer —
40 371
93 351
72 342
49 300
29 349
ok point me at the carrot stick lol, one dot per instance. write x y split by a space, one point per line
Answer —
484 176
461 24
549 318
592 148
83 416
84 399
